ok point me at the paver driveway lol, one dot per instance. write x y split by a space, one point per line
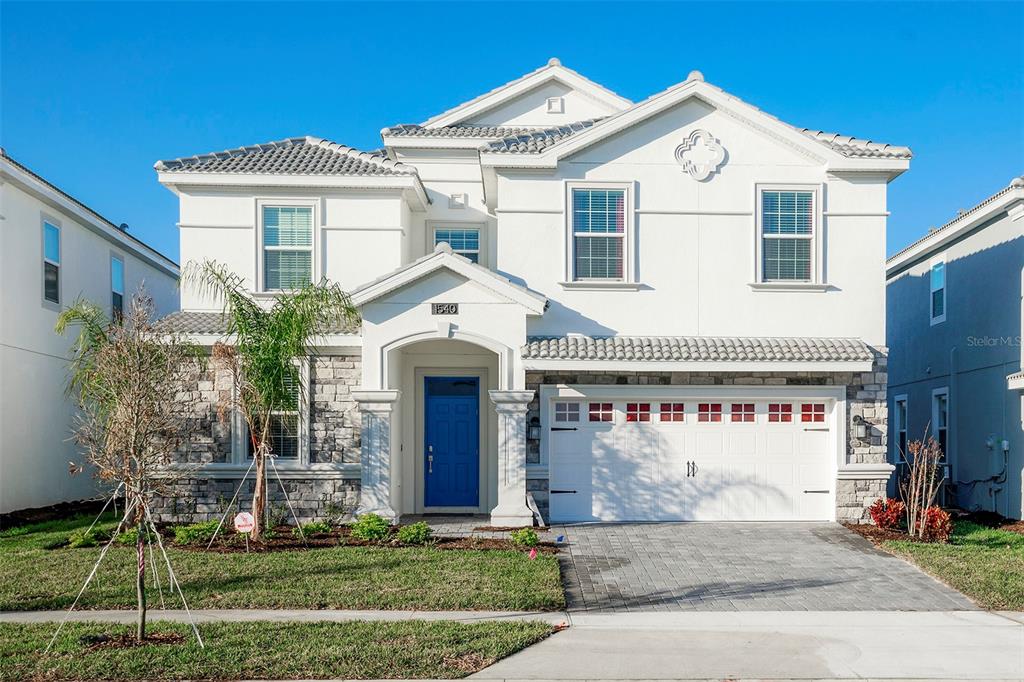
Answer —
741 566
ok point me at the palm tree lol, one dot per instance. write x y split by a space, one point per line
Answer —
265 342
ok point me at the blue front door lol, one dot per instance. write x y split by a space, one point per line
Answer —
451 452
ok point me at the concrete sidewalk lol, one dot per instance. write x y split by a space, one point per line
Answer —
961 645
281 615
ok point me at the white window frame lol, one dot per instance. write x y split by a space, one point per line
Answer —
434 225
817 242
627 236
124 275
45 220
935 428
900 426
240 441
938 319
315 251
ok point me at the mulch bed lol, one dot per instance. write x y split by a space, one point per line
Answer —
63 510
232 543
126 640
994 520
879 535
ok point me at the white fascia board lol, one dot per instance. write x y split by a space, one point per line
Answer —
525 84
715 97
409 184
325 343
421 142
694 366
91 221
550 392
938 240
534 303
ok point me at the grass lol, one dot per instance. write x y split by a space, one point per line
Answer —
986 564
261 650
425 578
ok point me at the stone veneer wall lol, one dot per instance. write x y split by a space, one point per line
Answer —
865 395
334 422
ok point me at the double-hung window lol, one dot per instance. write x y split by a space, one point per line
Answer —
283 431
787 235
287 247
51 263
116 287
937 301
900 417
464 241
598 233
940 418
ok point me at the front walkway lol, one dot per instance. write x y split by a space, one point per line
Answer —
741 567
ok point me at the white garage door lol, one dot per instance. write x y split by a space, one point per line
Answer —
712 460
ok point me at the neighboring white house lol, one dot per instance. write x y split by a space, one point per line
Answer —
54 250
670 309
954 325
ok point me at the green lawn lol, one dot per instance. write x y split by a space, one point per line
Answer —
339 577
986 564
261 650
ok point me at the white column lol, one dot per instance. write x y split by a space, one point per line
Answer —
375 452
511 408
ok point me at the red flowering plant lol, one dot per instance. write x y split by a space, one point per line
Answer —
886 513
936 524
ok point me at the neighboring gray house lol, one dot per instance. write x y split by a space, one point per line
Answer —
954 335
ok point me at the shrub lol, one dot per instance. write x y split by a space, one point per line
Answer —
313 528
194 534
87 538
415 533
130 537
370 527
886 513
936 524
525 537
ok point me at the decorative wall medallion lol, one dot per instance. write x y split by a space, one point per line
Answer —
700 154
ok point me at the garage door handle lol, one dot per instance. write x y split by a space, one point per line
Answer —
561 492
563 428
823 492
808 428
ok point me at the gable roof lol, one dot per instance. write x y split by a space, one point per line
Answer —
216 324
443 257
964 221
552 71
816 143
93 220
292 156
535 141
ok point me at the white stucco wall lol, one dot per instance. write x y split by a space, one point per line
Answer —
36 418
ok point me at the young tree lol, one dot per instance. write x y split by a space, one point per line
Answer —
921 483
266 341
123 374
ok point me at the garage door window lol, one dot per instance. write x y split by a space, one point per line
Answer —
812 412
709 412
600 412
743 412
672 412
567 412
638 412
780 412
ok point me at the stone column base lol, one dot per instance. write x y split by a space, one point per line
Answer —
516 517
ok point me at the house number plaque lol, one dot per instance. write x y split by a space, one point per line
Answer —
444 308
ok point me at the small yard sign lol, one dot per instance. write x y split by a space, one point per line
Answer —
244 522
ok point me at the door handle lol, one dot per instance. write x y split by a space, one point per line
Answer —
561 492
823 492
430 464
689 468
694 465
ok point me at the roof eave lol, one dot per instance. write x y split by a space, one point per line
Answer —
408 182
698 365
47 193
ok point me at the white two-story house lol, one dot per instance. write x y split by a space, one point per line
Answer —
669 309
954 322
55 251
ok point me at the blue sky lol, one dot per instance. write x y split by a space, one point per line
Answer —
94 93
